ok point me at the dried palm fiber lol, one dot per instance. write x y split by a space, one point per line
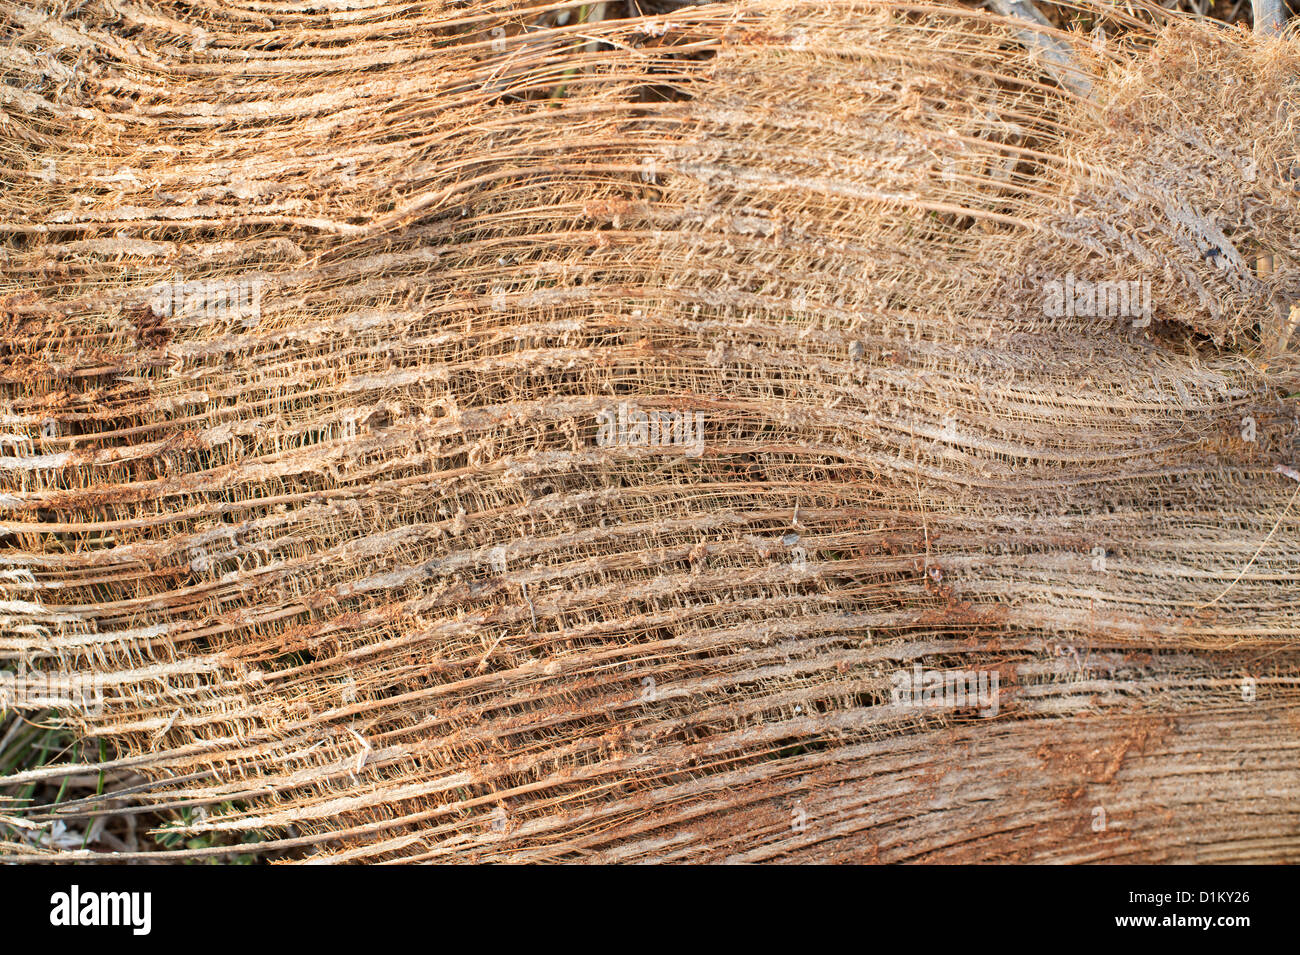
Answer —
360 577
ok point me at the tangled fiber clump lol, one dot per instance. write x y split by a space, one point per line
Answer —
312 318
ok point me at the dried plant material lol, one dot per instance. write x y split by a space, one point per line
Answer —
770 430
1269 16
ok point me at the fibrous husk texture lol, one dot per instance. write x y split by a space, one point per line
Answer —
360 572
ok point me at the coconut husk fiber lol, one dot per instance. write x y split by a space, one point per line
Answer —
358 572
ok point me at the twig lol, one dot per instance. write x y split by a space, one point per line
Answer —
1269 16
1055 53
